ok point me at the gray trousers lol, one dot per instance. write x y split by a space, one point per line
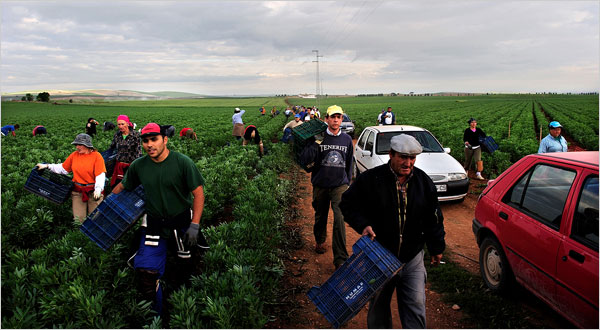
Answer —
410 293
322 198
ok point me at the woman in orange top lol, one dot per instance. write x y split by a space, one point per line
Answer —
89 173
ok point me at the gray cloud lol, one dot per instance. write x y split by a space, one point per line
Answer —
251 47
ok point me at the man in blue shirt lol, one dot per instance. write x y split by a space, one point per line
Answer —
388 118
553 142
9 129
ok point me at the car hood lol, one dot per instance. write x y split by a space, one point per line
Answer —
433 163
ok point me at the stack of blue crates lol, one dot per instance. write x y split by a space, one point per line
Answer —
351 286
114 216
53 187
110 158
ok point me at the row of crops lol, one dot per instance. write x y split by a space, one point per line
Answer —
53 276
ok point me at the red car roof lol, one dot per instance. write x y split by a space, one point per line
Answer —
588 157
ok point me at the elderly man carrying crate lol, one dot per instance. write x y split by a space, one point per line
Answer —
404 214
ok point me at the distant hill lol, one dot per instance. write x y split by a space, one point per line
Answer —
106 94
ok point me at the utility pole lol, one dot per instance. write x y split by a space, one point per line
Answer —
318 91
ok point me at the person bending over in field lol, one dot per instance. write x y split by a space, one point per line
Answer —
9 129
127 142
188 133
108 126
89 173
174 196
38 130
251 133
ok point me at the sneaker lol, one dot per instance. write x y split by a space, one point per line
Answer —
479 177
320 248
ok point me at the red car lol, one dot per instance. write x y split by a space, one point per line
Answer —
538 223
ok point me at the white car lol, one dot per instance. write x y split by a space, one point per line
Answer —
448 175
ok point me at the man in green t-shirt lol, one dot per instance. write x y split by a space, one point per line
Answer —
174 197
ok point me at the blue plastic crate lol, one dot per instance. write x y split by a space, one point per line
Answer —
114 216
488 144
110 158
351 286
52 186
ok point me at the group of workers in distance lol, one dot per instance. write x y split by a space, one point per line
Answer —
403 215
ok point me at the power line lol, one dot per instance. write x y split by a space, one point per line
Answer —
336 40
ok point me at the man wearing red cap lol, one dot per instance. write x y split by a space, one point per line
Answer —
172 186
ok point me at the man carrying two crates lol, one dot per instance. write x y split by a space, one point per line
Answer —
173 187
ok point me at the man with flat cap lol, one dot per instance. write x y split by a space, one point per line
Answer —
174 196
396 204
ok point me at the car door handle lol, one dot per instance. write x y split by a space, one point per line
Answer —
576 256
503 215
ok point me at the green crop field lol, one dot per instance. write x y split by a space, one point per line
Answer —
54 276
497 115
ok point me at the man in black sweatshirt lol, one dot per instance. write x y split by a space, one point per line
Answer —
330 162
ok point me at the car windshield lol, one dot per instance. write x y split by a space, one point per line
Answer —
429 143
345 118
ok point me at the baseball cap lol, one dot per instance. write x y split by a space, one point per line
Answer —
334 109
554 124
151 129
406 145
297 115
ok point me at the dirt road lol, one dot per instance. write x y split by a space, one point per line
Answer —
305 268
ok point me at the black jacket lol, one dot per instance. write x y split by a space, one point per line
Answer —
372 200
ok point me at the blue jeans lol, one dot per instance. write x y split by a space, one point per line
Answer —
287 135
410 292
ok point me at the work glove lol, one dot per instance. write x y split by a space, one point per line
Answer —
41 166
191 235
97 194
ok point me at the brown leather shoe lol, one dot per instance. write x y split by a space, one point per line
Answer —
320 248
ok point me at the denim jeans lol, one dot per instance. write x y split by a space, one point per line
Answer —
409 284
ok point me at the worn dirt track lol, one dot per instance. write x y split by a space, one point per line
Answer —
305 268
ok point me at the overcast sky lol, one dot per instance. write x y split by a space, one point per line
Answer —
252 47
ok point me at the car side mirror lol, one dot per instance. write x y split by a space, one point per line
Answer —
353 121
447 150
366 153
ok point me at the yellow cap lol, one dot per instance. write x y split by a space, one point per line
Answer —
334 109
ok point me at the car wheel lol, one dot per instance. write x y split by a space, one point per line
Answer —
494 266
